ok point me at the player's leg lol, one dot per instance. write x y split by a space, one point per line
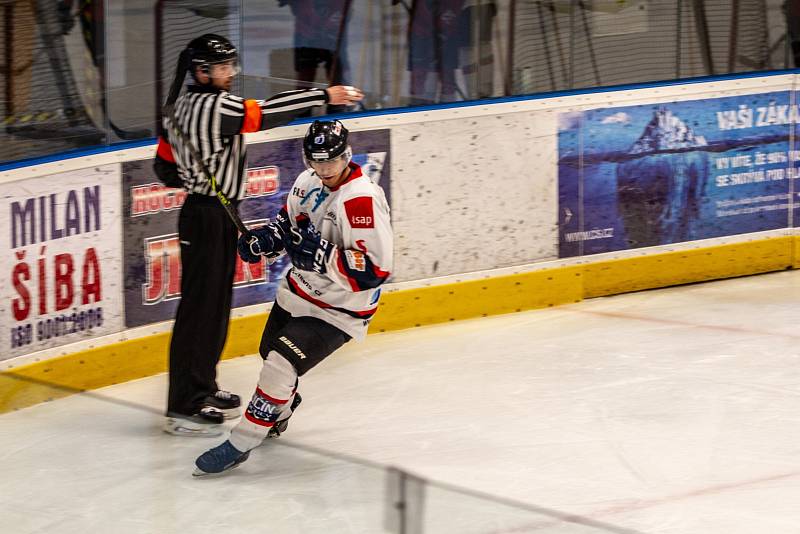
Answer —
227 456
290 351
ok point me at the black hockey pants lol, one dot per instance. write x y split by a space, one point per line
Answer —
208 259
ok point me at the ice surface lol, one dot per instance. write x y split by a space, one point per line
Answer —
671 411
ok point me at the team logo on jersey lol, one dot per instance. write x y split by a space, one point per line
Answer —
321 196
359 212
375 297
355 260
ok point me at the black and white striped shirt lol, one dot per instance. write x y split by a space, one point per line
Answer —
215 121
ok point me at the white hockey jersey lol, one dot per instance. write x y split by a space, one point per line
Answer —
355 217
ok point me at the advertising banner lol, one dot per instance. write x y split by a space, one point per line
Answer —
62 265
151 248
665 173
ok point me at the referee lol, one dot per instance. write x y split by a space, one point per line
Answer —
214 121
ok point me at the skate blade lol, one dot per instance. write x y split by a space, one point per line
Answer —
199 473
184 428
232 413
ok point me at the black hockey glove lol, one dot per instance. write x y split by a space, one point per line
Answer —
308 250
281 225
261 242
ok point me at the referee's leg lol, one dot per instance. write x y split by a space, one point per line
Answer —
208 244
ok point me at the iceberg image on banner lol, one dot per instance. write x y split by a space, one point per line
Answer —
660 191
656 174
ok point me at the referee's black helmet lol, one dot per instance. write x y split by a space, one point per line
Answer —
209 49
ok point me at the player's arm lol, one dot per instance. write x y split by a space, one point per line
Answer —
363 262
265 240
246 116
268 240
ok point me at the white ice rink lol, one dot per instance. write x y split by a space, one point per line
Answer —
670 411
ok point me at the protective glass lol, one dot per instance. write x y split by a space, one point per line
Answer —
331 167
224 69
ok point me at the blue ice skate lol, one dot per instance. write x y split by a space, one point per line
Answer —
219 459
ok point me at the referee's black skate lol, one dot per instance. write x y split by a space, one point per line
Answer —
219 459
281 426
226 402
205 423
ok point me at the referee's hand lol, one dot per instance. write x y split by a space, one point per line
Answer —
344 95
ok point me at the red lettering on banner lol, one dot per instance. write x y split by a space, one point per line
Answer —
90 281
63 281
173 250
163 270
153 198
262 181
154 286
42 282
249 273
359 212
21 306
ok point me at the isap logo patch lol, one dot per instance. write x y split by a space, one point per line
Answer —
359 212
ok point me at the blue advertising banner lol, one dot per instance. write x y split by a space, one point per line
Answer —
152 251
657 174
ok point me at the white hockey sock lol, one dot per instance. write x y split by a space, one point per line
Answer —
271 402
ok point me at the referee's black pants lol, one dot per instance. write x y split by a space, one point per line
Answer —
208 259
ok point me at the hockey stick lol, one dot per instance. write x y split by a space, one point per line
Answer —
169 111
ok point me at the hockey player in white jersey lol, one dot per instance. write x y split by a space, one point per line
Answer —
336 230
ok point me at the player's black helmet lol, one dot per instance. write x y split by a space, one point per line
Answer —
325 140
209 49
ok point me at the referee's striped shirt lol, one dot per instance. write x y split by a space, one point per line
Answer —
215 121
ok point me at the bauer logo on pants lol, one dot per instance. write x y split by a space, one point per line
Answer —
293 347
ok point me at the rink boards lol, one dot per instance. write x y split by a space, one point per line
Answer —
497 207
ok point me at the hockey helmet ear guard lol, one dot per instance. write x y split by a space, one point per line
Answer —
325 148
